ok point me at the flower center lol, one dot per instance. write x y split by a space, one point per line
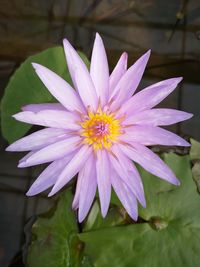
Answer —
100 129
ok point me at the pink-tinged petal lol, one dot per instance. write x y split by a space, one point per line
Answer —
75 203
52 152
149 97
99 70
73 167
149 161
150 135
50 118
128 173
158 117
129 82
88 188
125 195
38 140
59 88
80 76
48 177
40 107
103 180
118 72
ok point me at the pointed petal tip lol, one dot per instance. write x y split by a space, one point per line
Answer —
124 58
9 148
104 212
125 55
65 41
143 203
81 217
186 144
27 107
54 190
183 142
23 108
145 57
67 47
15 116
134 216
173 180
51 193
66 44
97 35
189 116
147 54
12 148
35 65
21 165
74 206
29 193
18 116
178 79
177 182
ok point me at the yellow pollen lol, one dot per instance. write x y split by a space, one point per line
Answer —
100 129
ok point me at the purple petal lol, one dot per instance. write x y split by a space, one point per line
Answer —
50 118
125 195
48 177
38 140
52 152
149 161
80 77
28 155
88 188
39 107
73 167
129 82
103 180
118 72
158 117
59 88
149 97
150 135
99 70
75 203
128 173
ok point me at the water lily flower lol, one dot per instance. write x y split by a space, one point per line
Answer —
98 129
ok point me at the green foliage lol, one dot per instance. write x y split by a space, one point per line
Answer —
195 150
55 242
195 156
167 233
25 88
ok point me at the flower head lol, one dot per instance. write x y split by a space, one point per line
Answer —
98 130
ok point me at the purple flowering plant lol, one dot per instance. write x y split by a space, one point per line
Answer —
99 129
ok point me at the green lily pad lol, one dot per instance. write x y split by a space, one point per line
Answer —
196 174
195 150
25 88
55 241
169 235
195 157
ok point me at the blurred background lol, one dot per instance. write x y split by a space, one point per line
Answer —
171 29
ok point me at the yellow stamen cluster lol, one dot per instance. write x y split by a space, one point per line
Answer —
100 129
